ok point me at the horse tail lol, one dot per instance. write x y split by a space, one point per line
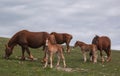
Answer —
63 49
109 47
71 37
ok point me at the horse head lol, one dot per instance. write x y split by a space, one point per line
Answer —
95 39
8 52
76 44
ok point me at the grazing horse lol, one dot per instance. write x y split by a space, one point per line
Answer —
63 38
87 48
26 39
51 49
103 43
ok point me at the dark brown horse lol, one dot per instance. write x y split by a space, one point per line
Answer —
103 43
53 48
63 38
87 48
26 39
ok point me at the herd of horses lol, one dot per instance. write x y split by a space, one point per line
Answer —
51 44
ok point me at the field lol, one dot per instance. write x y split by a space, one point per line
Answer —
75 65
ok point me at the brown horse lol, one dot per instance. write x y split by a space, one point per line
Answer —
63 38
26 39
53 48
87 48
103 43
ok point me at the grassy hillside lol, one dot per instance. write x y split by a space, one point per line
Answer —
74 61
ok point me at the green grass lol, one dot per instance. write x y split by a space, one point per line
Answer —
15 67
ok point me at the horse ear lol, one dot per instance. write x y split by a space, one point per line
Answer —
96 35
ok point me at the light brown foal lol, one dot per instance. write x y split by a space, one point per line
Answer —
87 48
51 49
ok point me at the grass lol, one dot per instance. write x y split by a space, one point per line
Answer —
15 67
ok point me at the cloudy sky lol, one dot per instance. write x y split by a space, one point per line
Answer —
81 18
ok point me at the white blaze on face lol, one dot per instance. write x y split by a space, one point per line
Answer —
46 42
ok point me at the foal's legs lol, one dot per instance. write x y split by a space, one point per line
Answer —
58 61
84 55
90 54
46 57
51 55
63 58
94 57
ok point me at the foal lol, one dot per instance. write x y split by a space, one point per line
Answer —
87 48
51 49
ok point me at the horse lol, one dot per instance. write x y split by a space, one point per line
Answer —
26 39
103 43
63 38
53 48
87 48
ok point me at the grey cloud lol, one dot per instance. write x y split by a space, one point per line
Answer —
81 18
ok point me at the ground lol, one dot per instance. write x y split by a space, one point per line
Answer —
75 65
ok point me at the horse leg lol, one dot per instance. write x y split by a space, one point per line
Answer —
90 54
63 59
68 47
108 52
84 55
94 57
58 61
101 56
44 58
51 55
46 62
23 56
30 55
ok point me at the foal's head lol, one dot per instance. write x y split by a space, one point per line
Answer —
79 43
51 40
46 42
76 44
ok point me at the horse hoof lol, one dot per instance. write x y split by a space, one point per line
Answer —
44 67
65 66
57 65
51 67
42 61
31 59
22 58
102 62
108 60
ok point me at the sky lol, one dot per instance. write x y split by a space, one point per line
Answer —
81 18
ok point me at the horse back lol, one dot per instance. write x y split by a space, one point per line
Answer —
62 37
31 39
104 43
59 38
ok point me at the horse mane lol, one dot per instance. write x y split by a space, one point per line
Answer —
96 36
80 43
52 33
94 41
13 40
